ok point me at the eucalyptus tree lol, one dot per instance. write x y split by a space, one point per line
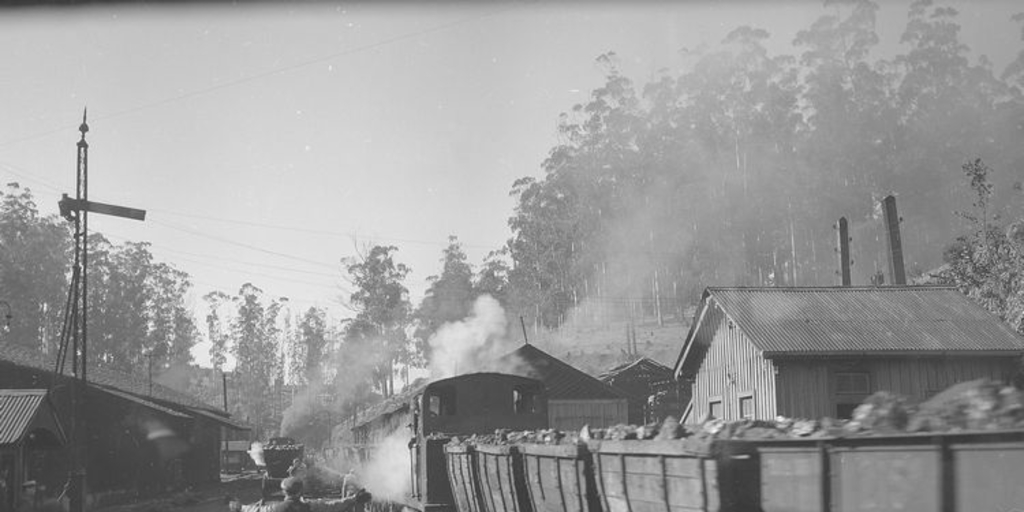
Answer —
35 261
383 314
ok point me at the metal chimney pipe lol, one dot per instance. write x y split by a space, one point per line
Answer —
893 241
844 251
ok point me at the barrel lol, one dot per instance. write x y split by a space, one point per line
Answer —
675 475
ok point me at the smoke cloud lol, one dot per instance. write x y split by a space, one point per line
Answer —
386 475
477 343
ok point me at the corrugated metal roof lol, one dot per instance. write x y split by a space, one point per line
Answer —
891 319
561 381
143 402
134 384
643 368
18 407
223 420
126 386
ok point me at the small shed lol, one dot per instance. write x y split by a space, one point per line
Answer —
575 398
139 437
30 433
819 352
654 393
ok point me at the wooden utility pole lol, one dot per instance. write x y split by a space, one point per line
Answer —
74 332
224 378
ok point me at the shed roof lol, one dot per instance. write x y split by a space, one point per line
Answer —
142 401
889 320
389 405
112 381
561 380
20 410
644 368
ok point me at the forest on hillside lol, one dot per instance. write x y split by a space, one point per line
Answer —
731 170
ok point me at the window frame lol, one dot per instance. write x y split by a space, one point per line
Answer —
712 400
525 396
749 395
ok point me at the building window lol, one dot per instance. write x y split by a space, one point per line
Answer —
747 406
523 401
715 408
442 402
853 383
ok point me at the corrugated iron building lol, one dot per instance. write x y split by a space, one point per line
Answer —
575 398
139 437
654 393
817 352
31 442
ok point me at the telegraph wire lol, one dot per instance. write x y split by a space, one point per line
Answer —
270 72
241 262
22 173
241 244
322 304
255 276
312 230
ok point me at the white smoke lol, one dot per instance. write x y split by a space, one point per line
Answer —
472 344
386 474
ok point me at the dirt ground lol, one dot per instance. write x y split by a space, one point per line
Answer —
208 498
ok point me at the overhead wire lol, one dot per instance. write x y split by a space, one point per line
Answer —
248 272
26 175
241 244
22 173
336 287
313 230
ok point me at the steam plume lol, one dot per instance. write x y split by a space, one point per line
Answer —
386 475
473 344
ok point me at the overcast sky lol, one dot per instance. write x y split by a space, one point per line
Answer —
267 141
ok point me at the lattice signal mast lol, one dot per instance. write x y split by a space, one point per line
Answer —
74 332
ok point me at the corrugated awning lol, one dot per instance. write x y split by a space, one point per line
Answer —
21 411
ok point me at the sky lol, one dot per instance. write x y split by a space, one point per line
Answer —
268 141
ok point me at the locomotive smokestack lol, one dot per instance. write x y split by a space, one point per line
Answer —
844 251
893 241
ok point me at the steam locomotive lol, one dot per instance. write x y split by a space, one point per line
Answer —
428 416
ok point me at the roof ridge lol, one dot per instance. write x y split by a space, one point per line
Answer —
19 355
30 391
566 366
801 289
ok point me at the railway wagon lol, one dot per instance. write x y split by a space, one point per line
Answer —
949 472
431 414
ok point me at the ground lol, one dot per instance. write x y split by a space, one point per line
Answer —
209 498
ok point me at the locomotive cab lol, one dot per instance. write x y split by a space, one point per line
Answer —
477 403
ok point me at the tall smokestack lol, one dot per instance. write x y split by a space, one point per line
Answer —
844 251
894 243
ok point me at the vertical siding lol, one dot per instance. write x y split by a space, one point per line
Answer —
807 387
732 367
804 389
574 414
920 378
